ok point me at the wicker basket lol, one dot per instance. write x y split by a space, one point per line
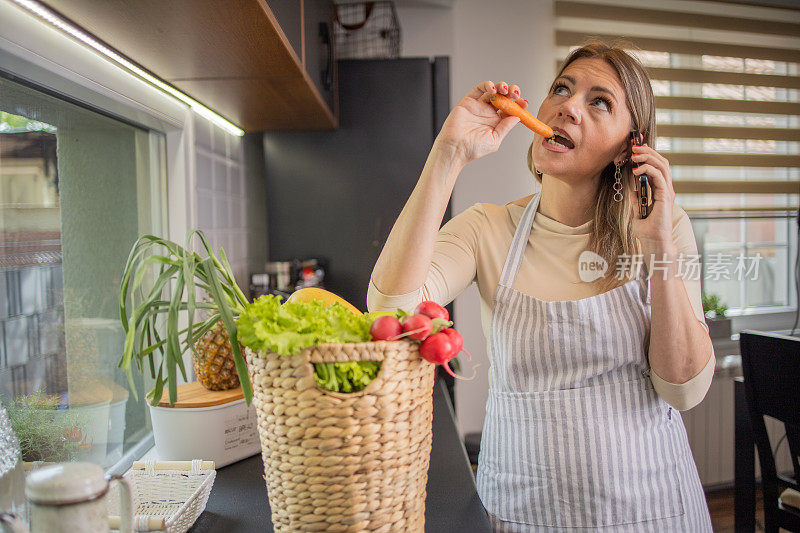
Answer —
345 462
168 495
366 30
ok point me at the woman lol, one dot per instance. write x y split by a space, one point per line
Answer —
580 430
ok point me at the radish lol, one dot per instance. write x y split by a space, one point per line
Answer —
416 327
432 310
438 349
385 327
457 340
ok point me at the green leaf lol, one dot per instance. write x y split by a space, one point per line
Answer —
232 279
230 326
439 324
174 358
139 248
158 389
150 348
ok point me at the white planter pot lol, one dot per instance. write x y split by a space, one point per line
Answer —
95 420
223 433
116 432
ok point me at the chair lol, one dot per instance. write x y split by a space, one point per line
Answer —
771 368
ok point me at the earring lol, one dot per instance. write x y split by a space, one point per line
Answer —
537 172
617 183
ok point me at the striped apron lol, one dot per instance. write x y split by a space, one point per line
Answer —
575 435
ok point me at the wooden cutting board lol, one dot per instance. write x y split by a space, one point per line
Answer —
195 395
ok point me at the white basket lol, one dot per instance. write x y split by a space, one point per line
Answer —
167 495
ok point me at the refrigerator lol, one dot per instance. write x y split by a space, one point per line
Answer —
335 194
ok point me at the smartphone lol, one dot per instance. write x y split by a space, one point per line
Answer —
644 192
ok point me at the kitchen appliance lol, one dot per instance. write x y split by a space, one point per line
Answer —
285 277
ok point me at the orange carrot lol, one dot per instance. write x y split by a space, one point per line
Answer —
510 107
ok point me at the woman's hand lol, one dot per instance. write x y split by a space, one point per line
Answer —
475 127
655 231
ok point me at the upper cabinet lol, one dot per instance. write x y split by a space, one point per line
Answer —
264 65
307 25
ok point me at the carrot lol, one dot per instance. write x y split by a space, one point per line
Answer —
510 107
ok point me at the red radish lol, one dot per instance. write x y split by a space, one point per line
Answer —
432 310
438 349
457 340
417 327
385 327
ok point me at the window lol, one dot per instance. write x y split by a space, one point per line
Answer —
725 77
76 189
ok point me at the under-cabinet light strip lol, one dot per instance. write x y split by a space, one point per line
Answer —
51 17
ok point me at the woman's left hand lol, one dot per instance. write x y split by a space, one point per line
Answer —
655 231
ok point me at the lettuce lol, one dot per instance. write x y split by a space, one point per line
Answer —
288 328
346 377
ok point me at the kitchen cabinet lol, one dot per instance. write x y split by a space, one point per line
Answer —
235 57
320 55
307 25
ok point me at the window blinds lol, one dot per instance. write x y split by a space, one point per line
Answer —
725 78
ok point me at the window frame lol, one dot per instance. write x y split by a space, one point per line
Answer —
37 55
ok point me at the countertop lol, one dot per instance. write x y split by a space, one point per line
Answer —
239 503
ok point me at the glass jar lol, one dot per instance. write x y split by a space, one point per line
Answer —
12 472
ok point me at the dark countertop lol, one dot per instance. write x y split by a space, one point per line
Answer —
238 501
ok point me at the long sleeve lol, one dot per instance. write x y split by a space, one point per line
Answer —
453 266
684 396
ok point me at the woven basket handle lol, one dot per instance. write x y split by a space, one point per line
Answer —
352 351
384 351
352 27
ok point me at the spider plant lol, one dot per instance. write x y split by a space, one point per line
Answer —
149 311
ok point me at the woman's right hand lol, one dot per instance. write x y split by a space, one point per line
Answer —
475 127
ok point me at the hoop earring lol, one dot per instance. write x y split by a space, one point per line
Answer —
617 183
536 171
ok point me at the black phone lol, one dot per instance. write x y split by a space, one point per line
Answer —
645 193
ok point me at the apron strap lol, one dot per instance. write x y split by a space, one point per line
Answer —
520 242
521 237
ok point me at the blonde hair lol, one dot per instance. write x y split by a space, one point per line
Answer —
612 231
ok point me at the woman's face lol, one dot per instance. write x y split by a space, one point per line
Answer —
587 101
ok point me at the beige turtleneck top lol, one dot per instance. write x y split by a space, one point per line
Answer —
472 247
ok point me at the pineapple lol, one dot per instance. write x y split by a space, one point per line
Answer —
213 360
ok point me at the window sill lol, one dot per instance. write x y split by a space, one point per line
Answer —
144 449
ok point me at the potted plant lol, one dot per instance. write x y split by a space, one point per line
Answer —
47 432
158 289
719 326
217 354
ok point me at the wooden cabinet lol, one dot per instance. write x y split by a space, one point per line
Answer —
307 25
320 60
235 56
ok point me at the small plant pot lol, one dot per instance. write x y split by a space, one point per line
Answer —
719 327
